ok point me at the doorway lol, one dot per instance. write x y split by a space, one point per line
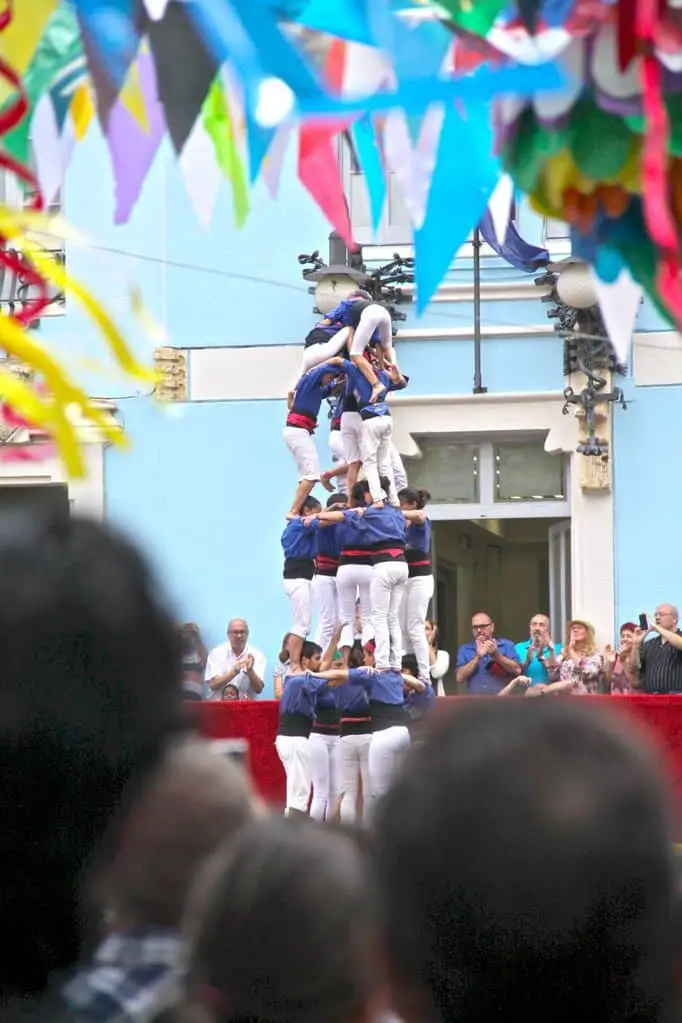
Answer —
511 568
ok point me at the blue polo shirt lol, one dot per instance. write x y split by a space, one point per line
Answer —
489 676
536 672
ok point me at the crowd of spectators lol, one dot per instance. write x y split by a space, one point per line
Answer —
647 658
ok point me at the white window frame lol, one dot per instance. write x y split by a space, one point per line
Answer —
487 507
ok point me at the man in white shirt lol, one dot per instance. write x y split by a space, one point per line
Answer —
235 662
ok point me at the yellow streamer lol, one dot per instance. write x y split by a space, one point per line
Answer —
53 414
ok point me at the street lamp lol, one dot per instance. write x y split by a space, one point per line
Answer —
345 273
331 283
587 348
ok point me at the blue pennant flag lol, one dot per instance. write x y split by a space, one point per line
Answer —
464 178
369 157
112 31
346 19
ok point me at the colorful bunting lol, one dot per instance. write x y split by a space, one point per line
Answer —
584 97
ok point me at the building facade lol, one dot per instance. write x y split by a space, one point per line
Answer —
522 521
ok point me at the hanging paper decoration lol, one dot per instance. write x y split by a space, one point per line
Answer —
578 101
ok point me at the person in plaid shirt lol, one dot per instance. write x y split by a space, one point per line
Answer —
196 800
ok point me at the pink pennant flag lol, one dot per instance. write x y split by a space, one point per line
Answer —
319 173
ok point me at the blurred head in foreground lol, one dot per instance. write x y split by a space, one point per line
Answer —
525 860
89 693
283 930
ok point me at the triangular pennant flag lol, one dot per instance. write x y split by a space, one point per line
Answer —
500 206
201 173
19 40
52 149
346 19
82 111
273 163
369 157
185 70
459 193
132 150
319 173
132 99
619 302
218 127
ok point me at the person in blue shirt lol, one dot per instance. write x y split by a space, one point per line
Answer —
327 554
299 546
330 336
417 705
487 663
390 735
297 708
420 583
539 653
304 408
369 322
377 427
382 529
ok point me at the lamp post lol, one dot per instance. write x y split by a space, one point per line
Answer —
345 273
587 348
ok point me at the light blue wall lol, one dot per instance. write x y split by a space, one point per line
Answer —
204 489
648 501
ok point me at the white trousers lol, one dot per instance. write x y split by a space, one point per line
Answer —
299 592
302 447
389 579
353 581
373 317
351 436
323 767
352 757
338 458
294 752
325 596
398 469
413 612
375 448
386 751
315 355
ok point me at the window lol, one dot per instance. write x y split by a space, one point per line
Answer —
511 477
395 227
525 472
449 471
557 230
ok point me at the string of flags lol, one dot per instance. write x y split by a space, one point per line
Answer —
574 103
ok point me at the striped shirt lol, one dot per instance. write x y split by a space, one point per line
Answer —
660 667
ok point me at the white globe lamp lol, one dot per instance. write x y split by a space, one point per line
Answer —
575 286
332 289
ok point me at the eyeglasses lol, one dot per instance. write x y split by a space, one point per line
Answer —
484 625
